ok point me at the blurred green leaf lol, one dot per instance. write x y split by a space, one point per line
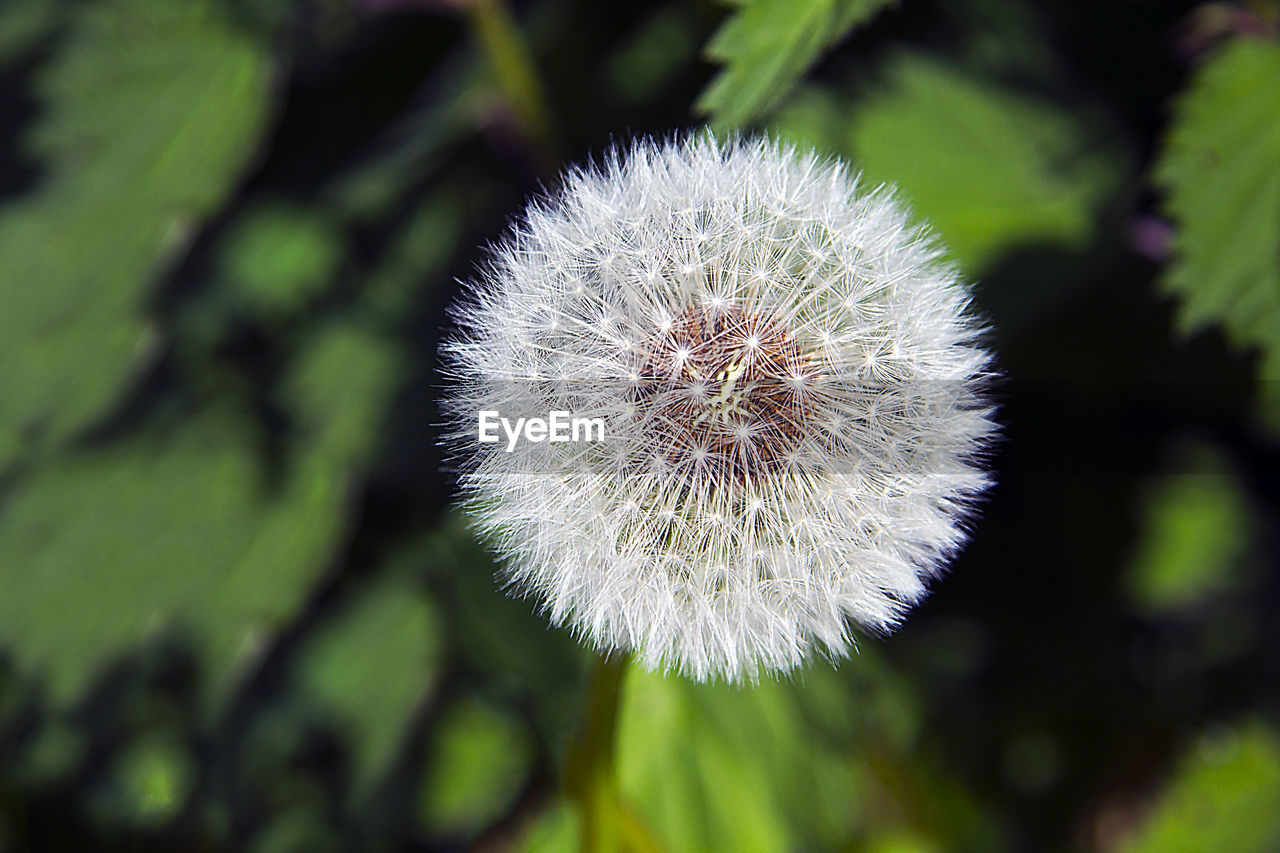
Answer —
276 762
417 255
653 55
1196 532
722 768
504 638
557 830
416 145
1032 761
338 390
149 781
23 23
150 112
56 752
1223 797
1221 172
815 763
481 760
279 256
297 831
111 544
372 665
766 46
990 168
901 842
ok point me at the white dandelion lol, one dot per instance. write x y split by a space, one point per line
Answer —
792 397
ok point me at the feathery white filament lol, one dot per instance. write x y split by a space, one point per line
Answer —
791 391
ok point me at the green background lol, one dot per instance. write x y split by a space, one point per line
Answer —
238 613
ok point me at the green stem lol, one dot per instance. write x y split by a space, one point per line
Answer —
590 774
508 55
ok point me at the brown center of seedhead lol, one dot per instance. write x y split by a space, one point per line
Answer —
728 390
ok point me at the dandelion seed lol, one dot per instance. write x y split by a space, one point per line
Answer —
791 388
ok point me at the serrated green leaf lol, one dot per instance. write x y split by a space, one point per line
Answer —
370 666
1221 171
151 111
1223 797
990 168
110 545
766 46
104 547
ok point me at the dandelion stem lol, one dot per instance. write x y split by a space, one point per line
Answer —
508 55
608 825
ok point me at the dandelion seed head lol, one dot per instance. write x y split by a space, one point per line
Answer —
791 385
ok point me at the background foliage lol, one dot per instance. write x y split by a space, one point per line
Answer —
237 613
